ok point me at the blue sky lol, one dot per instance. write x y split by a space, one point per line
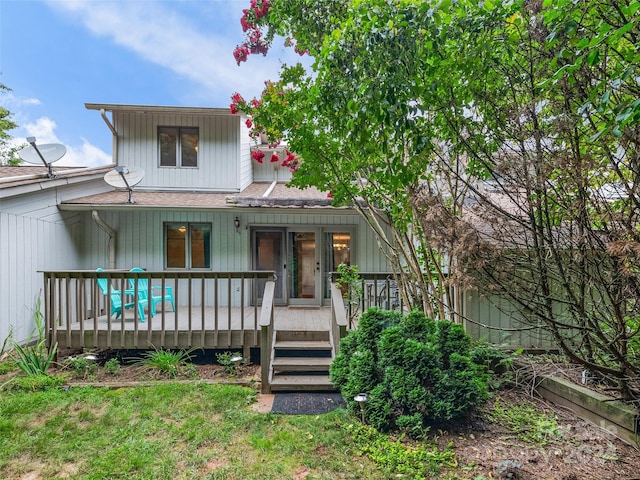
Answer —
56 55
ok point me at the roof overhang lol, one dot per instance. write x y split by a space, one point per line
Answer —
22 184
160 110
256 197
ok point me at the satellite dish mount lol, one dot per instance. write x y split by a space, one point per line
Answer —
124 177
121 171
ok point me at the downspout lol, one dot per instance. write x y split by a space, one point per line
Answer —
112 237
103 114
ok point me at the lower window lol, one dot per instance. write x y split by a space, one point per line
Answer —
187 245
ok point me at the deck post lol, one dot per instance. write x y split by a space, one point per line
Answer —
266 335
338 316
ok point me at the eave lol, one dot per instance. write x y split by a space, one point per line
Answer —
159 110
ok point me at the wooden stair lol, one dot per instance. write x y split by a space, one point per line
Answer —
300 361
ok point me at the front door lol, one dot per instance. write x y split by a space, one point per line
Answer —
269 254
304 279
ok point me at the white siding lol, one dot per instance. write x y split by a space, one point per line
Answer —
246 163
32 238
219 160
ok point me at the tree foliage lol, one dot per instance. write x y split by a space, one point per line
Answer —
490 145
8 154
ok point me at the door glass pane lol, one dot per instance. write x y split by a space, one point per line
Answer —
337 246
176 246
269 256
168 139
302 265
200 246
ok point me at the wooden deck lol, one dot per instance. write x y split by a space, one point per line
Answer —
214 310
206 327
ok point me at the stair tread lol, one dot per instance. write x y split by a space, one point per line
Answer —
310 361
307 345
301 380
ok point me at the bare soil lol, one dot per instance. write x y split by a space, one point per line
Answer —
579 451
484 449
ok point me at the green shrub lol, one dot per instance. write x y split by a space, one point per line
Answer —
230 361
166 363
33 383
35 360
417 373
496 361
82 367
7 366
112 366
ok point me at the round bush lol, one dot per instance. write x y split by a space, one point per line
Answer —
417 372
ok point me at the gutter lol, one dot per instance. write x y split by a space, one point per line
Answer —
114 132
112 237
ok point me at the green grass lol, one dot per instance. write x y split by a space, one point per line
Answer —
527 422
186 431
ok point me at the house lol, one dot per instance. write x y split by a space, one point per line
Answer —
202 218
200 205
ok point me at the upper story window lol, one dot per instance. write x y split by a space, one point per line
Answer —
178 146
187 245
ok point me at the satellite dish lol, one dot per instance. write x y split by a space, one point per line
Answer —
47 154
52 152
124 177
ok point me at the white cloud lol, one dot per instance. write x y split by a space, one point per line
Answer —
43 129
164 37
85 155
30 101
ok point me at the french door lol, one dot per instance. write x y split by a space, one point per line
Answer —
302 258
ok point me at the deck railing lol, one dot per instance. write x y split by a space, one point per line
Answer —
372 290
212 309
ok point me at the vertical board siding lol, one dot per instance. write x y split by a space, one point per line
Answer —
495 321
246 167
30 244
140 240
218 151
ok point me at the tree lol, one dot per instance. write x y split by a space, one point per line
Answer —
490 145
8 154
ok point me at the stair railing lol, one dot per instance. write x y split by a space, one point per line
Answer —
266 332
338 317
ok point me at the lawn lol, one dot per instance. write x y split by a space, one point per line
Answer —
178 431
195 429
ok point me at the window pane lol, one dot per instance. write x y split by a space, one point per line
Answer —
168 138
200 246
176 246
337 251
189 147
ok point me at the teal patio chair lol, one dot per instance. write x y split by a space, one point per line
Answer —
157 296
116 299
